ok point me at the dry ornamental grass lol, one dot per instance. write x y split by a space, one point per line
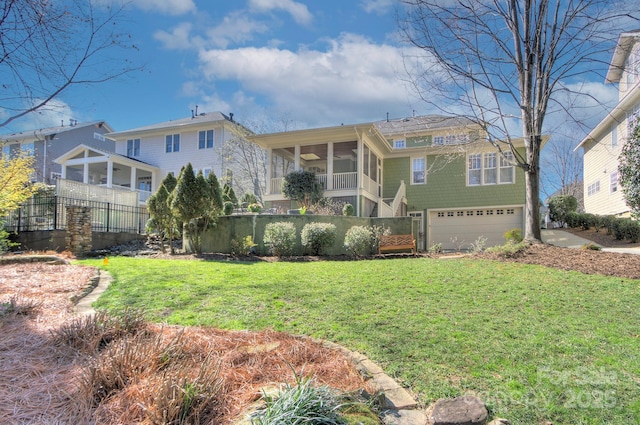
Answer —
59 368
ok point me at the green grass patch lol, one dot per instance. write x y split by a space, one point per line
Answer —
536 344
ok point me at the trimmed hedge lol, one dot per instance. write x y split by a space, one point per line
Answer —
620 228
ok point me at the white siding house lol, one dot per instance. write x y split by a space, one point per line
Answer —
602 146
145 155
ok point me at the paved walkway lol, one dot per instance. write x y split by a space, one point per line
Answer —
559 237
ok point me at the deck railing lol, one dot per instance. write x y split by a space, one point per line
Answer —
341 181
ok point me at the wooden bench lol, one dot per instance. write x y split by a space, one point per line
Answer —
396 242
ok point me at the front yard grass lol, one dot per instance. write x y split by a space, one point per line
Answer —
536 344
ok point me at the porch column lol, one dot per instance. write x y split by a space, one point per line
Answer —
296 154
109 173
132 182
269 166
64 171
85 168
330 166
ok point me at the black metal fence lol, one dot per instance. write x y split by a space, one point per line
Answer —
49 213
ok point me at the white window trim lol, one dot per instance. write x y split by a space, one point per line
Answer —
614 184
399 144
499 168
413 158
173 143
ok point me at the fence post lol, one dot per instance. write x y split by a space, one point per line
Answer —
108 214
55 212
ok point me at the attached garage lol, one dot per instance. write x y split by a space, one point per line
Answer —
459 228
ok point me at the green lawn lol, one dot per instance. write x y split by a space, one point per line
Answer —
536 344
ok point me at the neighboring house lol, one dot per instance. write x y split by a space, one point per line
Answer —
47 144
143 156
603 145
439 170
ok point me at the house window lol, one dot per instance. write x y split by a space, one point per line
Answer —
469 213
133 147
418 168
28 148
489 212
506 168
593 188
483 169
614 135
460 214
511 211
449 213
475 169
440 214
613 182
99 136
205 139
490 168
399 144
479 212
438 140
206 172
172 143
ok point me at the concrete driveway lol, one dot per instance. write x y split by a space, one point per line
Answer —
559 237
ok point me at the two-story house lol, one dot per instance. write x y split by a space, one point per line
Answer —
603 145
439 170
143 156
46 144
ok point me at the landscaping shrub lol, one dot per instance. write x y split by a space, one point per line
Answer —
586 221
436 248
327 206
317 237
242 246
508 250
513 235
631 229
560 206
572 219
359 240
607 223
280 237
618 229
228 208
303 403
348 210
255 208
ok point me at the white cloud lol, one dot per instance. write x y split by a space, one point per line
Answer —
298 11
167 7
235 28
379 7
179 38
351 81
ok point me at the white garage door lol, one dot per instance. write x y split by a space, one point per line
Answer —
458 229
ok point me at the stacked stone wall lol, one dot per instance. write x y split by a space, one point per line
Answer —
79 235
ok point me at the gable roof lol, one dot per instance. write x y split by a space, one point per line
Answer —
623 48
421 124
41 133
179 125
116 157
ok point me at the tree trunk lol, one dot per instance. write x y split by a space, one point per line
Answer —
532 205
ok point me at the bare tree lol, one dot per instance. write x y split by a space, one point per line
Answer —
562 167
47 47
493 59
248 160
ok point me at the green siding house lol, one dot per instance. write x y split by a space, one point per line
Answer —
441 171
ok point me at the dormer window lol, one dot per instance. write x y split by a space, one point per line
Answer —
399 144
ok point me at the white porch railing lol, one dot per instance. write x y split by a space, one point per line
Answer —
401 194
340 181
345 180
392 209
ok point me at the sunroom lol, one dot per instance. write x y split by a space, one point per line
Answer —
347 161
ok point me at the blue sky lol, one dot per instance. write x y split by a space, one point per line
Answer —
312 63
308 62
